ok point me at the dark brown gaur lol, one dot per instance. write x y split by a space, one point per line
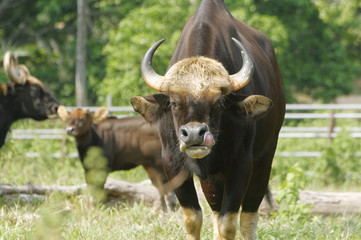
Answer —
126 143
219 111
24 96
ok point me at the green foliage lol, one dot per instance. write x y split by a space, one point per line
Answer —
79 218
317 60
288 195
313 54
338 164
132 38
96 172
42 33
316 41
341 164
53 217
343 14
294 220
312 227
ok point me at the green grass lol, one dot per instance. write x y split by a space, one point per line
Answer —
77 217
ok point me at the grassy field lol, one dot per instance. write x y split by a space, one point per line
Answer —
78 217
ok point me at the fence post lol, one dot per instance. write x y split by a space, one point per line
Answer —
109 100
331 125
63 144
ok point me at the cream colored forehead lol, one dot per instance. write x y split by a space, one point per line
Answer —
197 76
78 113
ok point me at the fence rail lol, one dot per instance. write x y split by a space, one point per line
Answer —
286 132
309 107
293 111
317 132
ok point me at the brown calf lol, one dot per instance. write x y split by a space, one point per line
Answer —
126 143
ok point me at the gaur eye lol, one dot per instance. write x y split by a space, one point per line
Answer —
218 104
35 91
173 104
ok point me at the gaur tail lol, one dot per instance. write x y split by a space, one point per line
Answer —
273 206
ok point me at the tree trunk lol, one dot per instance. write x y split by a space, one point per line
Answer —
80 74
5 5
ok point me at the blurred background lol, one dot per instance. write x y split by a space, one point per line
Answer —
317 43
87 50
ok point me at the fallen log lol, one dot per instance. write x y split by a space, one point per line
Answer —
116 189
29 188
328 203
324 203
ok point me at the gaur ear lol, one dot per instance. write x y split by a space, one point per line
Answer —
251 108
150 107
62 113
100 114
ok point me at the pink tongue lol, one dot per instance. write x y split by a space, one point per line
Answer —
208 139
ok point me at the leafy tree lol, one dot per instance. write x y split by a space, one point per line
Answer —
317 42
315 56
317 60
141 28
43 34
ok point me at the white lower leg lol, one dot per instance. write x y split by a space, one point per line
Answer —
193 223
248 224
216 235
227 226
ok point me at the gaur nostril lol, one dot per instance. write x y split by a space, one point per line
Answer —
69 129
184 133
202 132
193 134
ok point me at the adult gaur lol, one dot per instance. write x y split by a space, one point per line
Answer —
219 113
24 96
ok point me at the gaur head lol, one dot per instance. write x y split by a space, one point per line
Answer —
196 92
33 99
79 120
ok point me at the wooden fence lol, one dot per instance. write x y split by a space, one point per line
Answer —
300 112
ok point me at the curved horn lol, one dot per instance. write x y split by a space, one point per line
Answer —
16 73
153 79
243 76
